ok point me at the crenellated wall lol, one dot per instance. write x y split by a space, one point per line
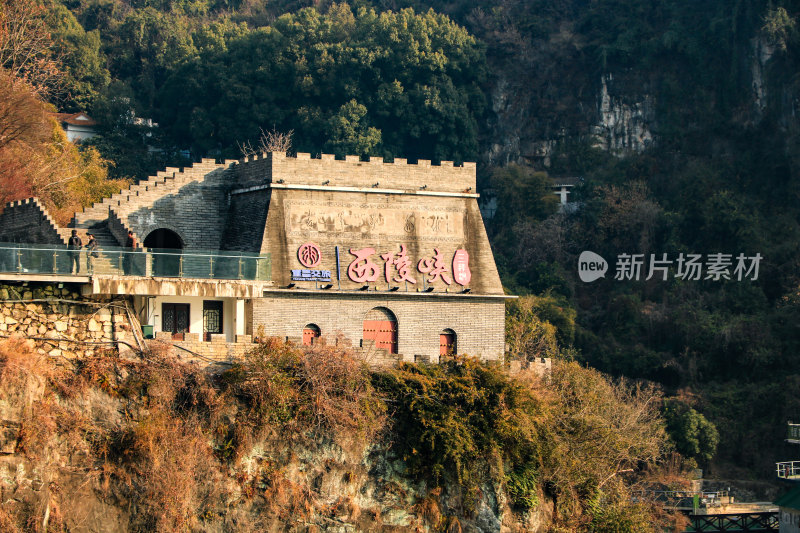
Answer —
28 221
273 167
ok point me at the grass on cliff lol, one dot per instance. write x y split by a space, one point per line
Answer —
177 448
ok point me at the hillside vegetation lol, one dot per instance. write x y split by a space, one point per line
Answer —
700 99
310 440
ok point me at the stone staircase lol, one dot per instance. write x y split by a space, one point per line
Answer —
106 262
143 194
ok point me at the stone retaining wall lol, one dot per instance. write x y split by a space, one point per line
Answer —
62 322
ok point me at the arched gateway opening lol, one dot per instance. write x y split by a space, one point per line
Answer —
165 246
380 326
310 334
447 342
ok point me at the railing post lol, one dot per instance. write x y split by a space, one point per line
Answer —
240 267
180 266
211 266
19 259
55 263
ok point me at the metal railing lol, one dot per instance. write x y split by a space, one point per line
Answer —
793 432
788 469
685 498
151 262
754 522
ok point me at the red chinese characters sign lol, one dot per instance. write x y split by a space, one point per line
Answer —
435 267
397 267
401 263
362 269
461 272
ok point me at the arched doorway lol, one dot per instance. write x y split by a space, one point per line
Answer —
163 238
165 246
380 327
310 334
447 342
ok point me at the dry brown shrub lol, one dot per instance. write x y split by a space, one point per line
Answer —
9 522
429 509
345 508
451 524
318 390
341 393
172 466
287 499
20 363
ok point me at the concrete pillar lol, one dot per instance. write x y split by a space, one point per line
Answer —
563 194
238 317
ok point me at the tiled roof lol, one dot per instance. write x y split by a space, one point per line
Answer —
560 182
790 500
76 119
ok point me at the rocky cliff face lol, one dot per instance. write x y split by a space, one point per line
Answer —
117 445
623 127
573 82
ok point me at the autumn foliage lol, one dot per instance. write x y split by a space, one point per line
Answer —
36 159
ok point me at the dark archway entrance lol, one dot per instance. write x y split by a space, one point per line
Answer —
165 246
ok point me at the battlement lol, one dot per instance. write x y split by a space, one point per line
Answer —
278 168
28 219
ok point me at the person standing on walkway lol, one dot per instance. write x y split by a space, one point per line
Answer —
91 252
74 246
130 245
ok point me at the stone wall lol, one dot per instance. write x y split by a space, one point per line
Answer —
62 322
382 222
247 218
478 322
118 229
352 172
28 221
217 350
195 209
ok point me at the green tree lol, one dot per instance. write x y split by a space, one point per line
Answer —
349 134
694 436
81 56
403 84
149 46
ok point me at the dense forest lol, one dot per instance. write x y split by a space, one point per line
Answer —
679 118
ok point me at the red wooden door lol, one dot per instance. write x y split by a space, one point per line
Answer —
310 333
383 333
447 343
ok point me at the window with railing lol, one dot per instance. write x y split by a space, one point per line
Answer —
793 432
151 262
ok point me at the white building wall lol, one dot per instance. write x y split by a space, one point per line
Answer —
229 309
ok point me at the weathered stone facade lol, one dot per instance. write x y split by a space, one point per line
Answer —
404 238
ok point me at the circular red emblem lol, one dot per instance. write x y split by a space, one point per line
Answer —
309 255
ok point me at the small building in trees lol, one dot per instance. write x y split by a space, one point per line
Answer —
391 258
78 126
